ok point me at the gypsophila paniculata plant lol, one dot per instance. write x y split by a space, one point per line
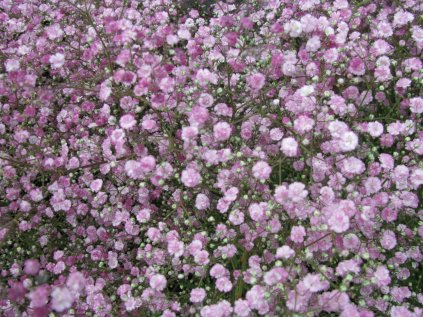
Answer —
211 158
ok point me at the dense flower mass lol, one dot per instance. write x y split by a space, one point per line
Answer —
211 158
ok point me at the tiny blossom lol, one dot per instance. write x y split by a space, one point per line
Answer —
223 284
284 252
372 185
293 28
133 169
314 283
257 212
289 147
297 234
416 105
31 267
57 60
158 282
189 133
375 129
256 81
206 100
39 296
76 282
175 248
241 308
357 66
339 222
202 202
12 65
127 121
143 215
61 299
222 131
261 170
389 240
348 141
382 276
190 177
197 295
96 185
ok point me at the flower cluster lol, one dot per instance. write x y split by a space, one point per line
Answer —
211 158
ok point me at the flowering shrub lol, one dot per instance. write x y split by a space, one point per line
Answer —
180 158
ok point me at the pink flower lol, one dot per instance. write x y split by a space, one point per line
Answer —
381 276
262 170
206 100
348 141
338 221
189 133
57 60
105 89
400 311
402 17
198 116
315 283
274 276
293 28
416 105
221 309
297 192
36 194
197 295
348 266
158 282
39 296
256 81
204 76
202 202
218 270
75 282
297 234
201 257
289 147
190 177
331 55
241 308
96 185
12 65
388 240
133 169
222 131
357 66
32 267
167 84
375 129
313 44
62 299
353 165
143 215
148 163
255 297
127 121
117 136
223 284
236 217
257 212
54 32
284 252
175 248
303 124
372 185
